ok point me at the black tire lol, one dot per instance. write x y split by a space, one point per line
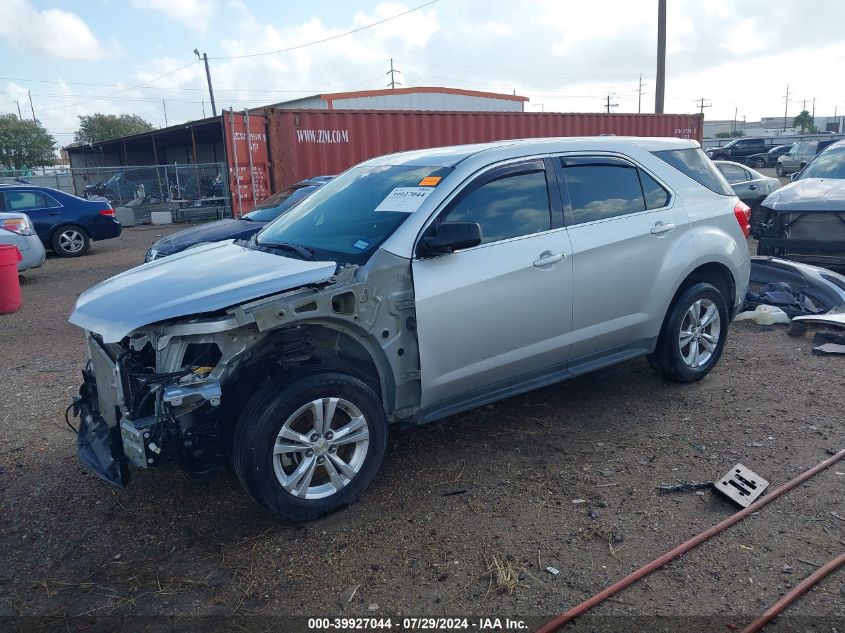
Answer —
70 240
262 420
668 358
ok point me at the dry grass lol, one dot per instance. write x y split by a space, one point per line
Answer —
504 575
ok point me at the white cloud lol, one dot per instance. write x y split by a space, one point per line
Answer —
195 14
50 33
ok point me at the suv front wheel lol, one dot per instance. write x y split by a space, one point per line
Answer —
309 447
693 334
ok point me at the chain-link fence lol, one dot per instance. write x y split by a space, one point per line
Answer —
191 192
56 178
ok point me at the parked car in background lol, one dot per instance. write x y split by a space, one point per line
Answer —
769 158
800 154
241 228
750 186
805 220
738 149
16 229
64 223
411 287
123 186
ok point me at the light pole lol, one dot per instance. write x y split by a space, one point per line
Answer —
204 58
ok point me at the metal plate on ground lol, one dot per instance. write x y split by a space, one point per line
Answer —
741 485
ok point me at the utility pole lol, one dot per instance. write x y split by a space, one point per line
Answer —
640 96
703 105
204 58
392 73
660 83
31 107
804 105
813 115
736 110
609 105
164 105
203 107
17 103
786 107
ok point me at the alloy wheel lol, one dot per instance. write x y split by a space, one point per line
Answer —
71 241
321 448
698 338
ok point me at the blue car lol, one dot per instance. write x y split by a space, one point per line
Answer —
64 223
241 228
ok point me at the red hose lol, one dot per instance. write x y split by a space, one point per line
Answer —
796 591
618 586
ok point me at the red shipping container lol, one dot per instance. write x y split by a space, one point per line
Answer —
305 143
248 162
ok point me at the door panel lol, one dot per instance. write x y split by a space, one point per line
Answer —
35 205
493 313
488 314
618 253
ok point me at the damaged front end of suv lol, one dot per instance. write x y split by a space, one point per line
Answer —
171 392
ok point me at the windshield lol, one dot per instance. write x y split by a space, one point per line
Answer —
830 164
278 203
347 219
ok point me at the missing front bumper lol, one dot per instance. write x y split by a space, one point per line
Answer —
98 445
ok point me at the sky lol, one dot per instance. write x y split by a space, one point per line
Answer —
126 56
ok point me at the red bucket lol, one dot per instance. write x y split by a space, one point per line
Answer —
10 287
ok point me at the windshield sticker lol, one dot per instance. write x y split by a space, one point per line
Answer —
405 199
430 181
361 245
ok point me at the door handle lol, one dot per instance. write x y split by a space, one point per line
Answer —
547 258
662 227
752 187
53 213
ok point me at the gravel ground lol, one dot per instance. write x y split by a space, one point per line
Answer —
563 477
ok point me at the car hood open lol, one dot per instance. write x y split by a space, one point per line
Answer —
810 194
201 280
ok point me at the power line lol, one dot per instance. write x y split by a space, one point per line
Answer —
145 83
333 37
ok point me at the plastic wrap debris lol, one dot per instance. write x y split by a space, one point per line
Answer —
798 289
764 315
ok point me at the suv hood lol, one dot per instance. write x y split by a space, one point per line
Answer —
203 279
810 194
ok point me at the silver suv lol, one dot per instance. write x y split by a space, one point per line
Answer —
412 287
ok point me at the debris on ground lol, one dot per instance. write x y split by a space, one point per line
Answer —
504 575
741 485
828 349
554 571
764 315
683 486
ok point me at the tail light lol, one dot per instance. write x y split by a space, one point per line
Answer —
742 212
108 212
21 226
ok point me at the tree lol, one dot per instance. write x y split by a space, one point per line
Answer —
24 143
804 121
101 127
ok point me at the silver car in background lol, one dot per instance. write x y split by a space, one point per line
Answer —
411 287
16 229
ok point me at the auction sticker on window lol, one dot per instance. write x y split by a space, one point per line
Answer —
405 199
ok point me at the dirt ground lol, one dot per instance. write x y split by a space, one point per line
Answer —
564 477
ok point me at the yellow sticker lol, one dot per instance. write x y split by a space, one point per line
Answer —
430 181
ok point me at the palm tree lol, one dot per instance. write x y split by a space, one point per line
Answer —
804 121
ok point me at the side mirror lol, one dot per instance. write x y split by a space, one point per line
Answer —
449 237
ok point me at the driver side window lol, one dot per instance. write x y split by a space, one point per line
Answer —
510 206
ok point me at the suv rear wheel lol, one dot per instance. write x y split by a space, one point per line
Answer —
309 447
693 334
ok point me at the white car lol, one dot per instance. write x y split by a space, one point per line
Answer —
16 228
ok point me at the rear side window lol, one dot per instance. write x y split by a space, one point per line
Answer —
733 174
507 207
24 200
694 163
599 192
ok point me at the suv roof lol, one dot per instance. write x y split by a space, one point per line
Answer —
452 155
